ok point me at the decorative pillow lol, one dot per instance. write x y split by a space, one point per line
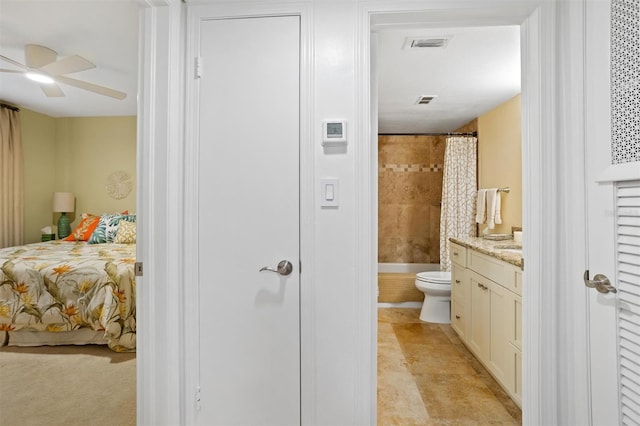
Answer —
106 230
126 233
129 217
85 228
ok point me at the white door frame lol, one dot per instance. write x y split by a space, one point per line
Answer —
165 390
549 368
160 314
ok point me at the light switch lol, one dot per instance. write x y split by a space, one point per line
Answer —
329 192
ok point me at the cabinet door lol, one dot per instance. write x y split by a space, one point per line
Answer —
513 383
514 320
480 327
513 379
498 360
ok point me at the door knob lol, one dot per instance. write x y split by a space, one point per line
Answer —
599 282
284 268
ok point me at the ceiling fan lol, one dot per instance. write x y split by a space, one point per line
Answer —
43 66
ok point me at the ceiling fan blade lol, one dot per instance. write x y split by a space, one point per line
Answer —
11 61
101 90
14 71
68 65
37 56
51 90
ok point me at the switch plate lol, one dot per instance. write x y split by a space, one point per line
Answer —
329 192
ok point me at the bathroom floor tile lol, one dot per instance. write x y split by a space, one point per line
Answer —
426 376
399 315
399 400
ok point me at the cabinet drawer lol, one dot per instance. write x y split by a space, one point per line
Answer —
459 320
458 254
487 266
460 288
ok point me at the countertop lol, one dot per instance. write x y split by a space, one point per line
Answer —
498 249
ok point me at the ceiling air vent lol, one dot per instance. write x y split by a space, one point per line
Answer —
426 42
425 99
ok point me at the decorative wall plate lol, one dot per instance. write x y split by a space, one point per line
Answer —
119 185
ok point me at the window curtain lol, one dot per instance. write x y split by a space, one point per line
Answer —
11 178
459 192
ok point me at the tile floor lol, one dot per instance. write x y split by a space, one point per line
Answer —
426 376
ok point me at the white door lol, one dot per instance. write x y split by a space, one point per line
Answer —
608 405
248 216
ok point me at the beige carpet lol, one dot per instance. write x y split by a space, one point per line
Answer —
67 385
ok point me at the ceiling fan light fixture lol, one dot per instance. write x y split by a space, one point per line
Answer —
40 78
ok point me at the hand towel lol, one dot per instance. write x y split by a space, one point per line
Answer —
493 206
481 206
497 217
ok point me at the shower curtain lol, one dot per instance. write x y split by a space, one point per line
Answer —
459 191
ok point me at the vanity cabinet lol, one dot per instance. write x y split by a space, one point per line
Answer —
486 313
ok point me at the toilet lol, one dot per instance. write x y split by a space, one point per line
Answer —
436 286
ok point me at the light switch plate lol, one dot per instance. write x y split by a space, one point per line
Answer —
329 192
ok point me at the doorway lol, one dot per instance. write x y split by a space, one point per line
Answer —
409 349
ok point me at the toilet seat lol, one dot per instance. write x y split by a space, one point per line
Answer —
436 277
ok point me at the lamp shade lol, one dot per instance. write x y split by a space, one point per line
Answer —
63 202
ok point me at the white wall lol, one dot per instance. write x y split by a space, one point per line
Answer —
334 249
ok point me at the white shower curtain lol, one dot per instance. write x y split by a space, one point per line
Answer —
459 191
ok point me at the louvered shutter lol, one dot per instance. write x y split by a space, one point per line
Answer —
628 277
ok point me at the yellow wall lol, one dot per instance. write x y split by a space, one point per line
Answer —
40 167
97 147
75 155
500 159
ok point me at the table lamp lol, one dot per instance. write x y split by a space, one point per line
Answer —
63 202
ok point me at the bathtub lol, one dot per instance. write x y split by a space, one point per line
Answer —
396 283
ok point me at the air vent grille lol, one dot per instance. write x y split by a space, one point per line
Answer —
425 99
426 42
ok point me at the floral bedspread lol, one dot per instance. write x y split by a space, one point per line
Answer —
63 286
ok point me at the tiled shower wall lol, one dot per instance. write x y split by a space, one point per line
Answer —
409 197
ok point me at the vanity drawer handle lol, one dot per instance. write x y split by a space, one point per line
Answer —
457 316
457 281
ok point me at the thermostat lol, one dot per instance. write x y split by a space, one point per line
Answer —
334 132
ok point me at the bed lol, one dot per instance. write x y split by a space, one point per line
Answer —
68 292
